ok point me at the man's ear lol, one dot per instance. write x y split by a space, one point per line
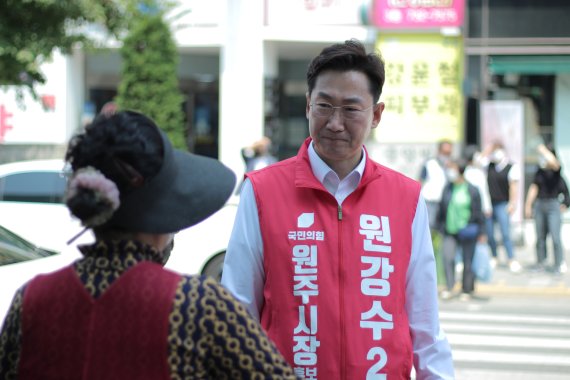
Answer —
377 115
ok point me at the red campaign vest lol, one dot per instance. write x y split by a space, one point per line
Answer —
66 334
335 277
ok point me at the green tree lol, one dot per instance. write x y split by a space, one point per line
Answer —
149 82
31 30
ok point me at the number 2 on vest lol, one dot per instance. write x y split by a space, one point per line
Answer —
372 373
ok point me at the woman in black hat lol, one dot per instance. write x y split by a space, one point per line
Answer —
117 313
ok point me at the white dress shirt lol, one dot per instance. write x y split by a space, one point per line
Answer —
244 276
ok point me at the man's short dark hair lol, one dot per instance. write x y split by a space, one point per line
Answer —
349 56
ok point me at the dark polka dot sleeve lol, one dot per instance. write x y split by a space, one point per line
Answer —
11 338
213 336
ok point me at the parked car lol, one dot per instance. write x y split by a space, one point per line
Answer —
202 248
31 205
15 249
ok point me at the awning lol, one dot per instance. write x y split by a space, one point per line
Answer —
529 64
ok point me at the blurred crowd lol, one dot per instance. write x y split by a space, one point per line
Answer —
473 194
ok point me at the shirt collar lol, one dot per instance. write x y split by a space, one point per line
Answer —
321 169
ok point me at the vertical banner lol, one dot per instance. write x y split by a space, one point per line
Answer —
423 92
503 121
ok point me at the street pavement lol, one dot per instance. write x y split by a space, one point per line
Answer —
518 325
526 282
506 336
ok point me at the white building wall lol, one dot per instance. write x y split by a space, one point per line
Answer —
28 122
241 81
75 89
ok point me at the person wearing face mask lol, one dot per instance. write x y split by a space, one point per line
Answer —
548 194
503 177
460 219
477 176
433 179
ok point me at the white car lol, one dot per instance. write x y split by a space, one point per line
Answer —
202 248
31 206
31 203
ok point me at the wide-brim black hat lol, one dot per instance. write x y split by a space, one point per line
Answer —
187 189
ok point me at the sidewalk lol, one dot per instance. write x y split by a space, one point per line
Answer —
525 282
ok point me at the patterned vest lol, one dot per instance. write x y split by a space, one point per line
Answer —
66 334
336 276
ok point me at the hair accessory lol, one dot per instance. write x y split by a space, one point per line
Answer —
105 191
134 178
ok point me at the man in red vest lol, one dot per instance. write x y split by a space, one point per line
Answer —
331 250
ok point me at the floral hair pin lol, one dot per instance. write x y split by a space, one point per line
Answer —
104 190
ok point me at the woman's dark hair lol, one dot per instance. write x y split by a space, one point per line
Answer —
125 147
461 164
349 56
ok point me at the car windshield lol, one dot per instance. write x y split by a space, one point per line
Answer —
41 187
13 248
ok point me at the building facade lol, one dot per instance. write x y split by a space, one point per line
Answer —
242 72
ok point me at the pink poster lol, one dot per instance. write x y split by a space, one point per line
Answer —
503 121
418 14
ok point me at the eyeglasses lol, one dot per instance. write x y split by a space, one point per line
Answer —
326 110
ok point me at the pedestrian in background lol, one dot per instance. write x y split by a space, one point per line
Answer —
548 197
117 313
476 175
258 155
433 179
503 179
331 250
461 222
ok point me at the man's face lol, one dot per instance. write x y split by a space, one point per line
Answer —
338 138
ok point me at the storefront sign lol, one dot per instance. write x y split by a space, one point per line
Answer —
423 92
37 121
418 14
